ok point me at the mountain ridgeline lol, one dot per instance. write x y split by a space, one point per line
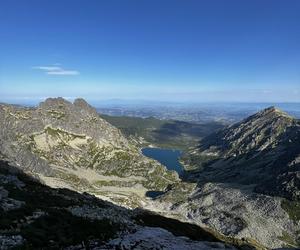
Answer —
67 144
263 149
241 183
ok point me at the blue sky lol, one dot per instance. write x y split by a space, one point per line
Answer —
217 50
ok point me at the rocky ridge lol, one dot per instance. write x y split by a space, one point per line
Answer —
68 145
263 150
243 181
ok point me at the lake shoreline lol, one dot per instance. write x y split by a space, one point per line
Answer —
170 158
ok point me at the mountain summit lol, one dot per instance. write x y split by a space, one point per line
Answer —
263 149
258 132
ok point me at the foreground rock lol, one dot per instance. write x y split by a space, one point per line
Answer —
157 238
63 219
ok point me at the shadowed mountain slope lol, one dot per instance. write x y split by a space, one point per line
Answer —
263 149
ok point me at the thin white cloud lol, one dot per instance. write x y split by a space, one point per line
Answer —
47 68
56 70
63 72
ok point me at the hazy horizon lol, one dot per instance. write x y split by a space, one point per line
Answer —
129 101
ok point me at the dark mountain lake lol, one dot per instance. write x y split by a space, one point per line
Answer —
167 157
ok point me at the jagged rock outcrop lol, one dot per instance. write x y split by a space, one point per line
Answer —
68 145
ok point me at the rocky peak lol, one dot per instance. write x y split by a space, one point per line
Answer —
262 149
57 102
60 104
82 104
263 130
268 114
270 109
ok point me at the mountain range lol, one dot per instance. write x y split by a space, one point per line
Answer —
241 183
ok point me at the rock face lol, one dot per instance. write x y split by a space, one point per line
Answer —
68 145
157 238
263 150
48 218
234 211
